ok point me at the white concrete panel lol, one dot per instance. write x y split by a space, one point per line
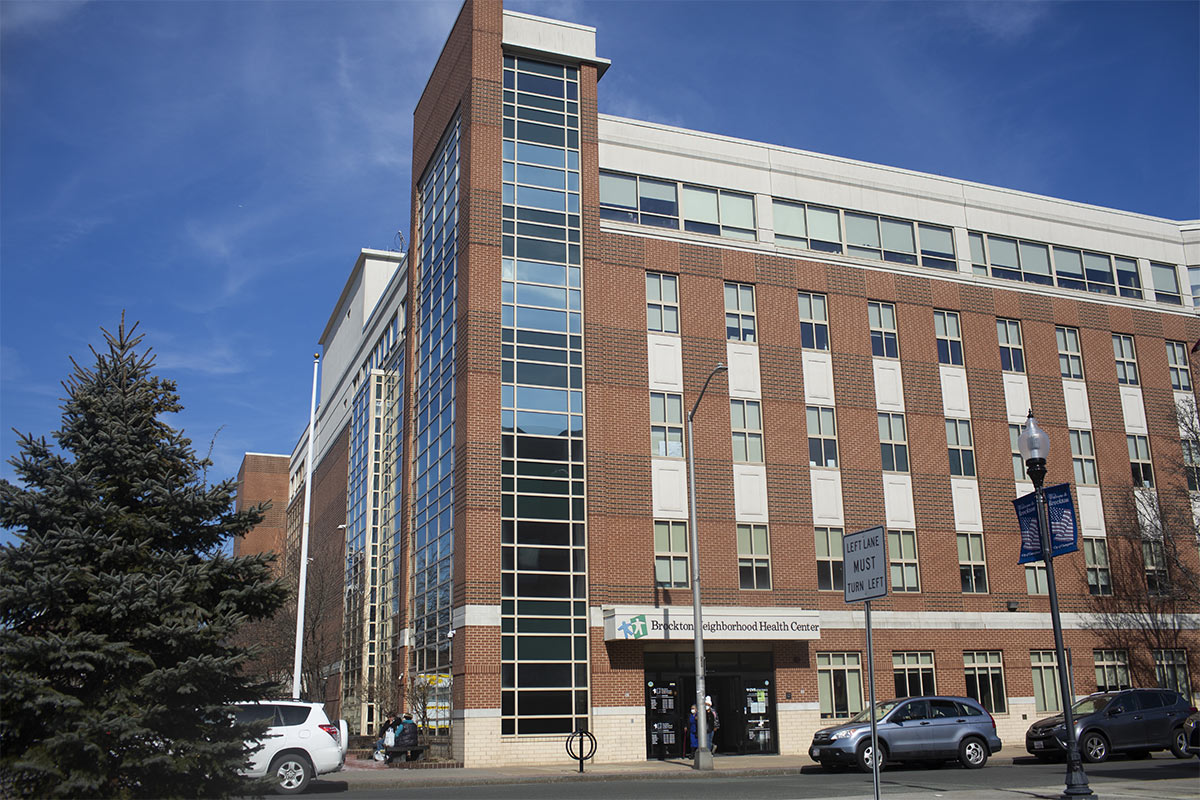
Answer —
1185 412
955 402
818 378
1079 413
1133 409
668 488
1024 488
665 362
1091 511
889 385
1016 397
827 497
898 501
967 513
750 493
550 35
744 378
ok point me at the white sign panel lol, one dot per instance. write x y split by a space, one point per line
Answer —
677 623
864 555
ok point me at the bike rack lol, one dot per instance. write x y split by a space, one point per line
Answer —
575 747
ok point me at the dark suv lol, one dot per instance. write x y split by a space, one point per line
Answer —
1134 721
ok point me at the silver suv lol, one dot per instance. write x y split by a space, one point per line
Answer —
911 729
1135 721
300 742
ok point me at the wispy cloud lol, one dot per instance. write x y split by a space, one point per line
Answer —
1005 21
24 17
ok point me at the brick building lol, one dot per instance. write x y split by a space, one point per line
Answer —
574 278
263 478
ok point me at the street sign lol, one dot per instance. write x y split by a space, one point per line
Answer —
864 557
1064 532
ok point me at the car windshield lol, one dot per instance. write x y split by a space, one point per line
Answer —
881 710
1090 705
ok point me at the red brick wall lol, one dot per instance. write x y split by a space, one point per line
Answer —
263 479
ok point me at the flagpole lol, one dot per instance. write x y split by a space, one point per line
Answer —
302 586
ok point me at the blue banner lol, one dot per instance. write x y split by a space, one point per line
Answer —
1064 532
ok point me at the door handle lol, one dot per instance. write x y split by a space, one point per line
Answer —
925 722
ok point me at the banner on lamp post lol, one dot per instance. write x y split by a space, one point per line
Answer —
1064 530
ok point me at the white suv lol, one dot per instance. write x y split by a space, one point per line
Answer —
300 742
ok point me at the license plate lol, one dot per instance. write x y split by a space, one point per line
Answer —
1038 745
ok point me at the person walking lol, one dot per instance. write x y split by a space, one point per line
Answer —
713 721
693 737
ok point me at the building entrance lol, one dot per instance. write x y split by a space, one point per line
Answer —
742 688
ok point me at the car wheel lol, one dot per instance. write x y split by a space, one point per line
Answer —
1179 743
972 753
864 756
290 773
1093 747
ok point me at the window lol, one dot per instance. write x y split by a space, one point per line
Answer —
1128 279
1083 453
962 451
949 337
1019 474
745 418
1126 358
1171 672
739 312
754 557
882 319
629 198
1112 670
1166 283
829 559
902 559
1046 696
1191 462
985 679
972 566
937 247
1194 280
666 425
1019 260
1070 357
839 684
1139 461
1012 353
814 322
662 303
893 443
811 227
718 212
1155 562
670 554
1035 578
1177 362
892 240
913 673
1095 559
822 437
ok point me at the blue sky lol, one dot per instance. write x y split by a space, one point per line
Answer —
213 168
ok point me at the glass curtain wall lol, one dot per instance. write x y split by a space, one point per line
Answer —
433 437
392 549
544 626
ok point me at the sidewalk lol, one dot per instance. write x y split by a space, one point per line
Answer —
364 774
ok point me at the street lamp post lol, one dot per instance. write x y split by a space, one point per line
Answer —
702 756
1034 444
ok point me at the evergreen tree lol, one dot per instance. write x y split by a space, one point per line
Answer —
118 608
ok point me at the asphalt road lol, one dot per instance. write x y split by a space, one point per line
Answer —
1158 779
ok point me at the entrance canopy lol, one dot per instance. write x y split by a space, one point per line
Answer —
720 622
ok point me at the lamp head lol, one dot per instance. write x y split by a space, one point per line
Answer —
1034 443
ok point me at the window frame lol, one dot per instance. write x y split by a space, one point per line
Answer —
1125 358
667 426
1018 461
903 561
746 433
828 669
1140 464
751 558
988 664
744 333
881 334
1083 457
1012 355
1043 667
661 303
813 327
955 446
891 447
1178 367
823 439
831 566
671 555
1070 352
1171 671
1110 666
1097 569
971 568
949 343
908 665
1040 583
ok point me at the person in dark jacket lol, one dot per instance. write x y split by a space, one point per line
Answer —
406 733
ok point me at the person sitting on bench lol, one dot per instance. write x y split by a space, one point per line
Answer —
406 734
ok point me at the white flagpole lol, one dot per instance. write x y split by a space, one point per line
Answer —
302 587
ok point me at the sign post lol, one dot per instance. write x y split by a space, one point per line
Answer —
864 559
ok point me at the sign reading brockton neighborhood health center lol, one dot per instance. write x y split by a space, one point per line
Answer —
720 622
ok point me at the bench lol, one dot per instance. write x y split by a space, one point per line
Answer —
399 753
